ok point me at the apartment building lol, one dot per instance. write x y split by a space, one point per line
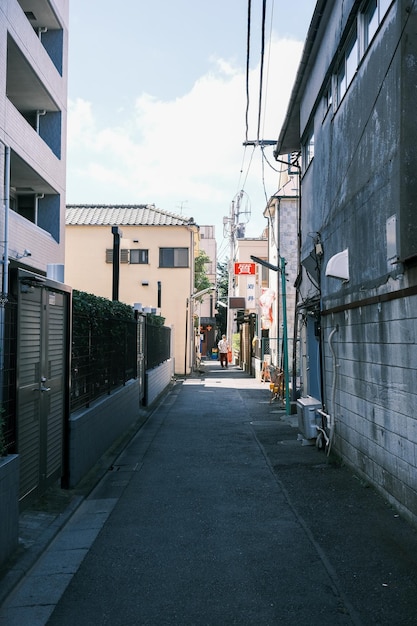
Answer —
33 112
34 303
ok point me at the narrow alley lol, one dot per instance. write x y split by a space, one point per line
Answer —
215 514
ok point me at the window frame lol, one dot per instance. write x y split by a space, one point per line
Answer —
177 262
142 255
308 148
381 8
346 70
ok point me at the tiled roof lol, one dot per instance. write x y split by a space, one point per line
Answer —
127 215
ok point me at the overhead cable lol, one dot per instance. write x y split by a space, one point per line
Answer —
247 68
261 71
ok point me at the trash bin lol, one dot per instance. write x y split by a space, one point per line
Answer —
214 354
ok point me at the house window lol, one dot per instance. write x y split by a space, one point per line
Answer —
328 98
139 256
373 15
308 151
348 66
173 257
124 255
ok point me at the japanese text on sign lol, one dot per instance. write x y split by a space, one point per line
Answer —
244 268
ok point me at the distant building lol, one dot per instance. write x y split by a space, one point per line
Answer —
206 309
352 118
249 281
156 270
282 213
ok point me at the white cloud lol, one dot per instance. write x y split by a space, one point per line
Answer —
188 149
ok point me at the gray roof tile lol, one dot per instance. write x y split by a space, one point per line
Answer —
122 215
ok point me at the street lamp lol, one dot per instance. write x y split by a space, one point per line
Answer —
281 270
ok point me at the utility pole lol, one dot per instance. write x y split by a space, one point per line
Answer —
239 215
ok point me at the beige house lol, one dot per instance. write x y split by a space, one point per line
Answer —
205 307
156 269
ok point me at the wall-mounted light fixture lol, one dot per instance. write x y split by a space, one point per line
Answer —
25 253
338 265
145 283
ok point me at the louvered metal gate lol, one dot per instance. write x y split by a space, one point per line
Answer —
42 381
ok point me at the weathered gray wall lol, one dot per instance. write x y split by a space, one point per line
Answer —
376 395
363 172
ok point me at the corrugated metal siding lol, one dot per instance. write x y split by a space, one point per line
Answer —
28 398
41 353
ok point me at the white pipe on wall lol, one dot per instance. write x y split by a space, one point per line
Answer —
332 413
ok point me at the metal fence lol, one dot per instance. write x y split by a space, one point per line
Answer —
158 344
104 356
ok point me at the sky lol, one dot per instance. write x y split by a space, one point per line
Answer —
157 104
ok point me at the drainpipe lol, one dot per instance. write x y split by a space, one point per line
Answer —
333 401
285 338
39 196
5 276
117 234
40 113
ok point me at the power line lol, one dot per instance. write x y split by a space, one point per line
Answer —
261 69
247 67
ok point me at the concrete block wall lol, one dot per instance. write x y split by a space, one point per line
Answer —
9 503
157 380
376 396
94 430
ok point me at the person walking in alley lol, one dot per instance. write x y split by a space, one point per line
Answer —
223 346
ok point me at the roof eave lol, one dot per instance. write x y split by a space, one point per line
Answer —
289 138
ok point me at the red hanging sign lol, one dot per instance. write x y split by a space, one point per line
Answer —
244 268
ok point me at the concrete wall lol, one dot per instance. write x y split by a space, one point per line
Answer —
94 430
9 503
362 174
375 395
157 380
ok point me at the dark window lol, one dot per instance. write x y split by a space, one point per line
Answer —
173 257
139 256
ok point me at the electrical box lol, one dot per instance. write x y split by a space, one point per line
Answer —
307 416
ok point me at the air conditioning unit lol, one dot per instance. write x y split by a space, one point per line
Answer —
307 416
